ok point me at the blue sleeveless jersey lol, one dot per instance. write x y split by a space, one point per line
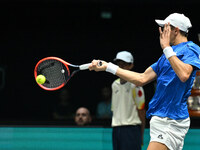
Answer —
170 98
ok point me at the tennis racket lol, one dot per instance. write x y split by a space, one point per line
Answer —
56 72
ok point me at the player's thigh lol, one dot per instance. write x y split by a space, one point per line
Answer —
157 146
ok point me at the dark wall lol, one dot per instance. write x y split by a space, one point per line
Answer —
76 32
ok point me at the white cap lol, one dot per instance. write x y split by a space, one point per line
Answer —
125 56
176 20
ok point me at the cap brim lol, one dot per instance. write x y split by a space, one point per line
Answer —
117 59
114 60
160 22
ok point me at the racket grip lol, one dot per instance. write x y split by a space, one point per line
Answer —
84 66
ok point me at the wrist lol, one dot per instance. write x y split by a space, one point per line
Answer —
168 51
112 68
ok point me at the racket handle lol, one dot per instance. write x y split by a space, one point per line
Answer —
84 66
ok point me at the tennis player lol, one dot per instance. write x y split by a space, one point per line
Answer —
175 71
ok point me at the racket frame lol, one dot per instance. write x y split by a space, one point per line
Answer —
66 64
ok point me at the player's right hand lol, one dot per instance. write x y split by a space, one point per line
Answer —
98 65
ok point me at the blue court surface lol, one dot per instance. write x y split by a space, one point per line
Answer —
71 138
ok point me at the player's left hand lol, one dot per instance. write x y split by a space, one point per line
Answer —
165 36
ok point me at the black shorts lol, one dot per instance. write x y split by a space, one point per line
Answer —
127 137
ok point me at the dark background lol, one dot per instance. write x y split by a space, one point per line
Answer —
75 31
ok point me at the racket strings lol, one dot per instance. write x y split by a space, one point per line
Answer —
55 72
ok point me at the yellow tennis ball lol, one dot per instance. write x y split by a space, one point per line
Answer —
40 79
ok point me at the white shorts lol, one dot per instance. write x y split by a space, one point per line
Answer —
169 132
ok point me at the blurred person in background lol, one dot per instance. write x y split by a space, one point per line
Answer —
63 109
104 106
83 117
128 106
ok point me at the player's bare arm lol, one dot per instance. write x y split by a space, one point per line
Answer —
138 79
182 70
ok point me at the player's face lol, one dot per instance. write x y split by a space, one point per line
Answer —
172 36
124 65
82 117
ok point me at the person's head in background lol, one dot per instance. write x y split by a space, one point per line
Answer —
124 60
83 117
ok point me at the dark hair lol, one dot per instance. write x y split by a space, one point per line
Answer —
181 32
184 33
